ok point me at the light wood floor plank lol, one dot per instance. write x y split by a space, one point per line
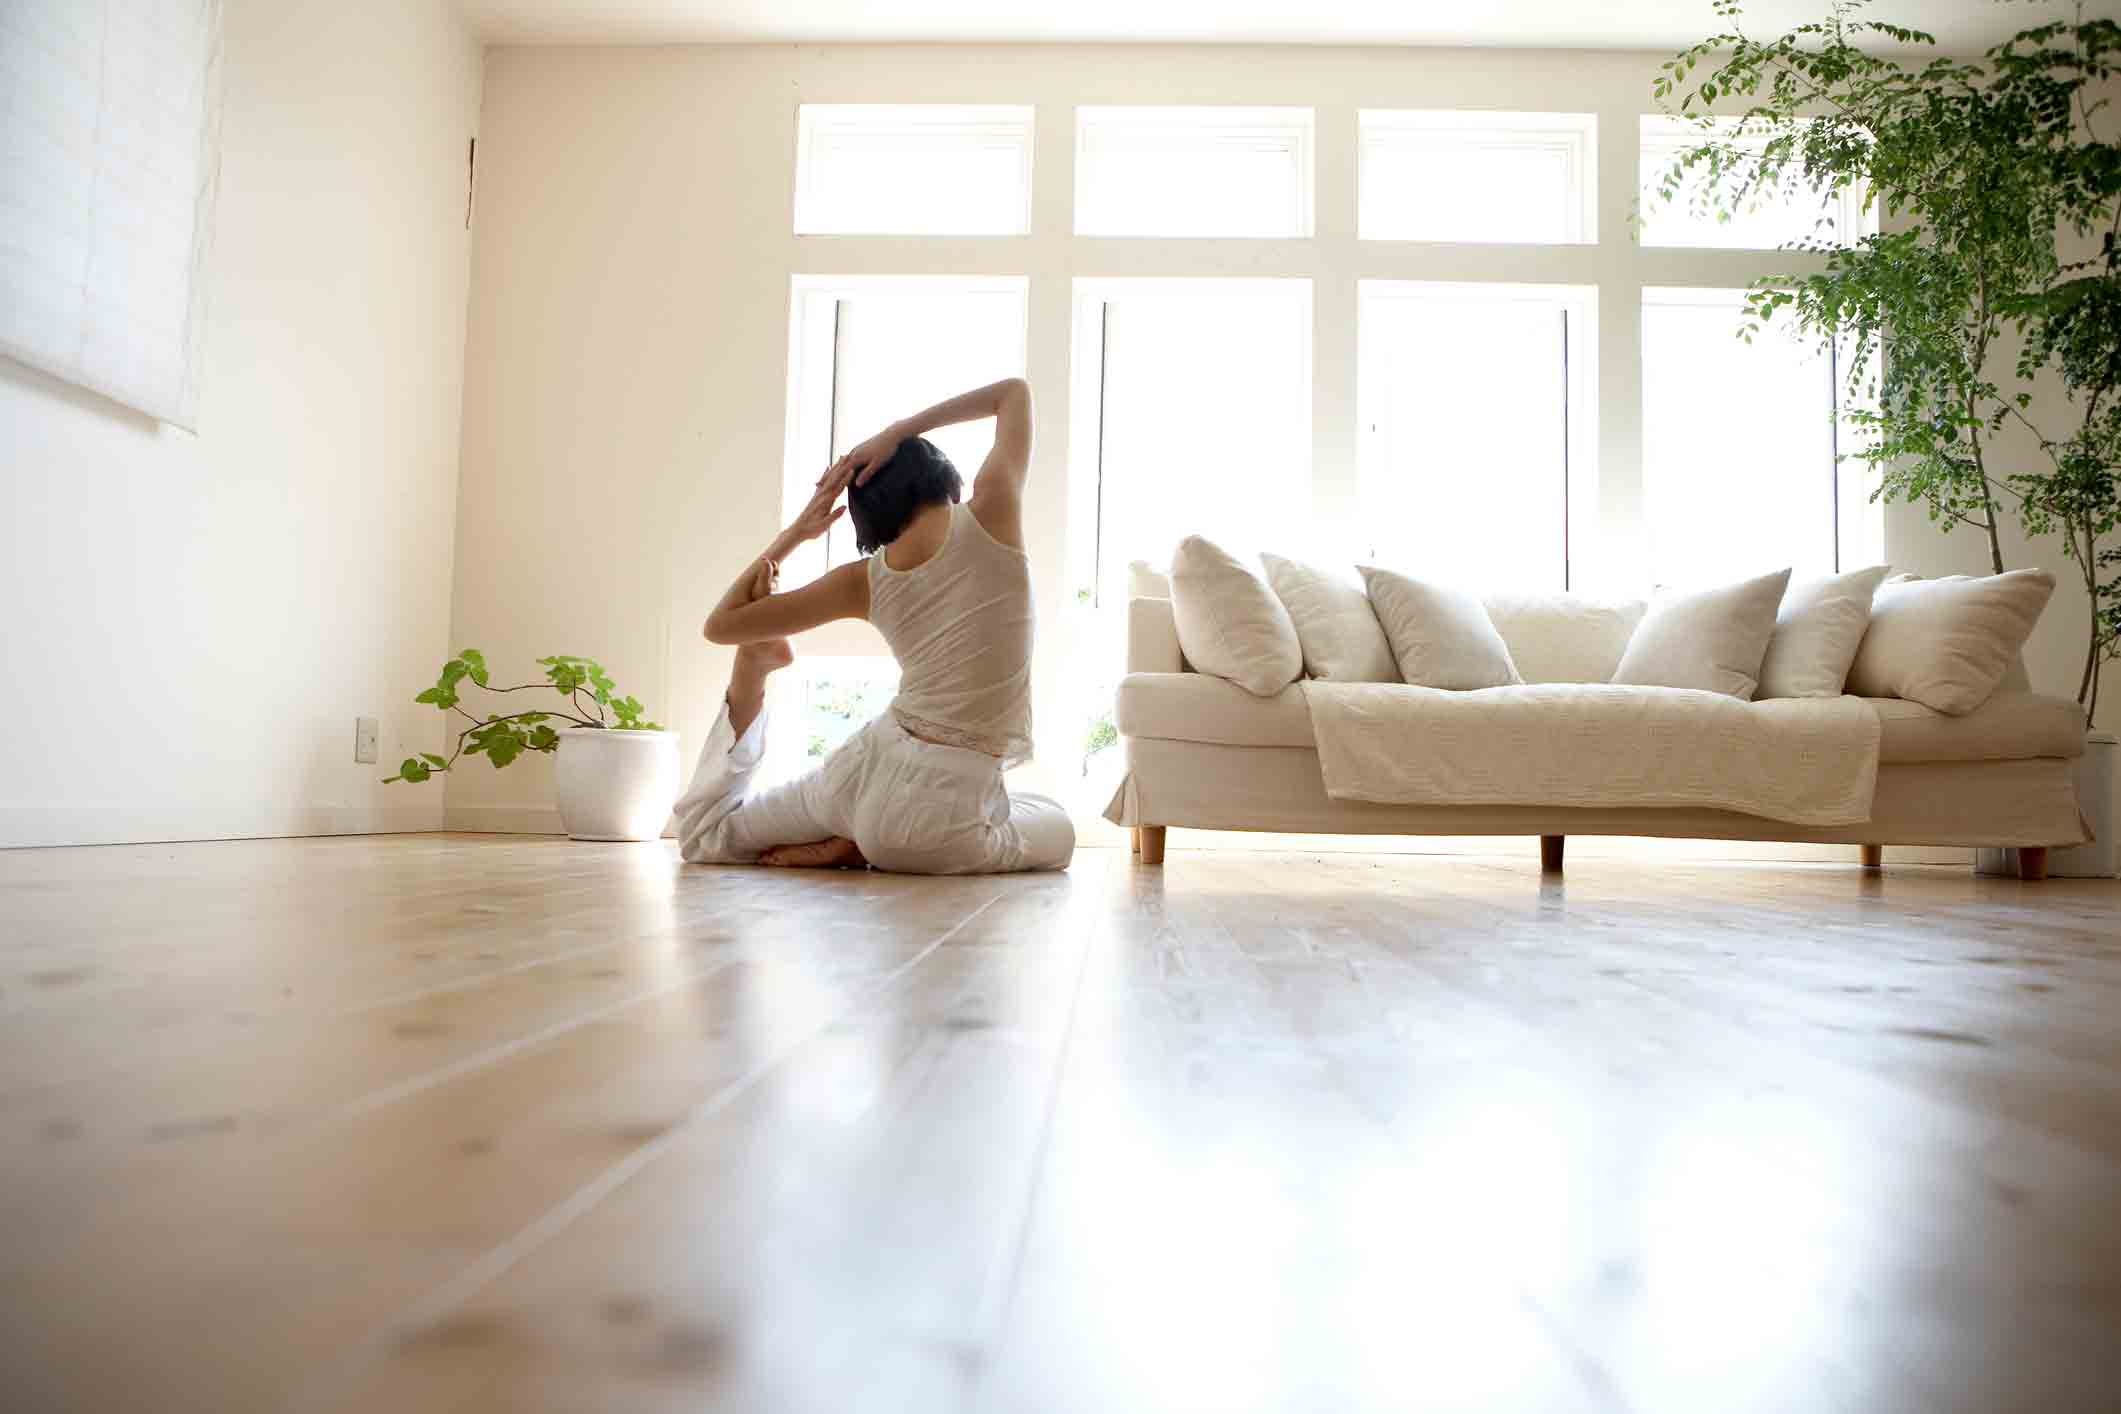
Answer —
472 1123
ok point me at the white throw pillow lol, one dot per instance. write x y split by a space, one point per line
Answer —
1817 633
1712 641
1341 638
1564 637
1948 643
1441 637
1229 622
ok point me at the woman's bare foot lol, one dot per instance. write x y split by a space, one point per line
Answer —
834 853
766 656
755 662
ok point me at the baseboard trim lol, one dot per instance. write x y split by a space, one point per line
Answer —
45 827
502 820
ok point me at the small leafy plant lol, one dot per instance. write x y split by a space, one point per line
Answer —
501 737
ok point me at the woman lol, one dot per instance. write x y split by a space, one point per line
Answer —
919 790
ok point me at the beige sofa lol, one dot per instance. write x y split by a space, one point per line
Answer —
1203 753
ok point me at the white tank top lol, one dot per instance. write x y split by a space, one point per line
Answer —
960 624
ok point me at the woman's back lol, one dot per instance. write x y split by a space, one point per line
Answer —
961 625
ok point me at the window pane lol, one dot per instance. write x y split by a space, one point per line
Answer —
913 169
1441 176
1785 219
821 702
1465 417
1738 444
867 354
1193 172
1205 425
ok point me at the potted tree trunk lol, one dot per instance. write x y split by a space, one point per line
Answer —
617 774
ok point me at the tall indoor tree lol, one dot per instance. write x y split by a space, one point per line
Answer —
1995 265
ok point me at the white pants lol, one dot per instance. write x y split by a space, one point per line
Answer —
909 805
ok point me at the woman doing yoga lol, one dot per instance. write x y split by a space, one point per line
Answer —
919 790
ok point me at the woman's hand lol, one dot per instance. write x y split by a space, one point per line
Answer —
863 460
811 521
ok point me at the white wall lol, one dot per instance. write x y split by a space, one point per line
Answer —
193 623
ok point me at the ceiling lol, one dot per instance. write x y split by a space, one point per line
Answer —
1960 26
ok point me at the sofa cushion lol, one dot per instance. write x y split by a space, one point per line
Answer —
1564 637
1948 643
1817 632
1441 637
1196 707
1710 641
1146 581
1341 638
2010 726
1229 622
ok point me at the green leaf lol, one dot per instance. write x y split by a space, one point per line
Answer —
544 739
412 770
438 762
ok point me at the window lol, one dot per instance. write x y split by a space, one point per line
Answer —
1479 177
1193 172
821 702
864 352
1783 218
1475 406
1739 474
912 169
109 163
1192 413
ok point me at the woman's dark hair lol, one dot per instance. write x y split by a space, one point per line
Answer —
917 475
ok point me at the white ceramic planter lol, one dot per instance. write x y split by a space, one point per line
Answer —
616 785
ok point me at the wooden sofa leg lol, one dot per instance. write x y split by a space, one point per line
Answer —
1874 856
2032 863
1152 843
1550 853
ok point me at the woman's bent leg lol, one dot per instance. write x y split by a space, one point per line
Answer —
720 821
1045 836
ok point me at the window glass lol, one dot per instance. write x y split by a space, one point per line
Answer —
912 169
1193 172
1467 394
1785 218
1478 177
866 353
1738 474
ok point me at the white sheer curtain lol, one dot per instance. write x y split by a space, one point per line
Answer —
109 151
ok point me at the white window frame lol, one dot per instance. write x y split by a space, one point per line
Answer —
1294 127
817 125
1663 137
806 446
1574 135
1086 398
1580 518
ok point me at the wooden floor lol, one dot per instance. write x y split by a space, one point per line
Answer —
475 1123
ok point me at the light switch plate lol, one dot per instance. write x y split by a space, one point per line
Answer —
365 732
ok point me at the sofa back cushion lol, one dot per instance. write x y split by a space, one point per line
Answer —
1817 632
1712 640
1229 622
1146 581
1341 638
1441 637
1564 637
1948 643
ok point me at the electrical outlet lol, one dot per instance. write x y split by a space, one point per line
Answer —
365 731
